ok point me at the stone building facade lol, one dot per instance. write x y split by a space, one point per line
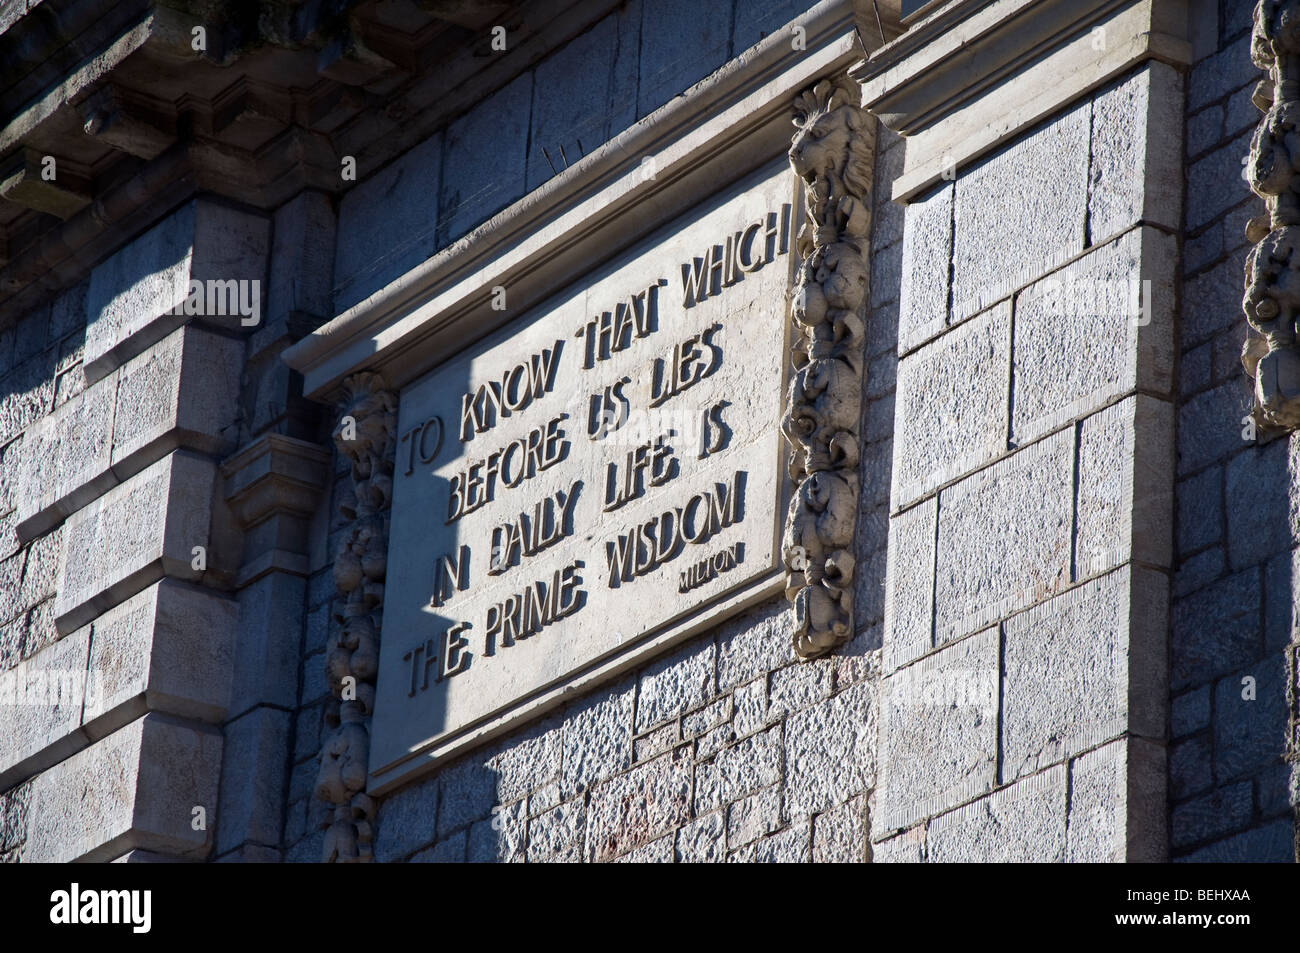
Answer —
1009 529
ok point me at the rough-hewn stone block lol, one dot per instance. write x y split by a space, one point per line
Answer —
42 699
134 292
1092 331
1019 824
133 535
1136 165
1004 537
639 806
909 585
830 751
926 264
1020 213
950 411
939 732
252 778
167 648
137 788
1117 805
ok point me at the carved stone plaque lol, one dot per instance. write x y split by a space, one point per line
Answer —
599 479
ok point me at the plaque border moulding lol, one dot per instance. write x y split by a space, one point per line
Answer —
366 435
1272 295
833 155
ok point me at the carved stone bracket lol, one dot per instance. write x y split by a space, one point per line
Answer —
1272 295
832 153
366 435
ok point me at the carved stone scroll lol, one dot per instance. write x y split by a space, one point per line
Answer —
832 153
366 435
1272 295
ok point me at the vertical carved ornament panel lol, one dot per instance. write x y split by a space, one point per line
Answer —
365 434
832 153
1273 266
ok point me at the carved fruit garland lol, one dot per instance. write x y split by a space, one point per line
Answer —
1273 266
365 435
832 153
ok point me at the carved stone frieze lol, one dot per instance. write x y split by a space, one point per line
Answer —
365 434
1272 296
832 154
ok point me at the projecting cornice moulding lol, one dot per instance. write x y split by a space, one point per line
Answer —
974 73
720 129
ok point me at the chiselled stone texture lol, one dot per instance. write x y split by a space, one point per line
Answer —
142 293
1232 760
833 154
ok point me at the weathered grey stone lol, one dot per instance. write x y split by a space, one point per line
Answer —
682 41
788 847
755 643
840 834
1212 301
1190 711
658 741
753 817
137 788
939 731
68 313
132 294
303 249
1063 693
1093 331
1022 823
926 266
1211 425
950 412
449 851
755 19
42 698
675 685
906 848
1124 506
1215 183
702 840
1200 510
167 648
1260 519
467 791
405 820
1205 129
66 459
556 830
501 838
266 651
1271 843
184 391
1216 630
402 199
1226 70
1136 171
1020 213
1211 815
830 751
909 585
739 771
1004 537
531 760
576 108
26 394
134 534
1250 719
1190 767
483 159
1117 805
639 806
797 686
656 852
253 778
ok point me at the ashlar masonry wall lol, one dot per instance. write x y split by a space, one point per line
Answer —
1022 712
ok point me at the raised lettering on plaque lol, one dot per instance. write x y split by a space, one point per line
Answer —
599 479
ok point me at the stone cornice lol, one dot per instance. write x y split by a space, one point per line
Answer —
974 73
721 128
